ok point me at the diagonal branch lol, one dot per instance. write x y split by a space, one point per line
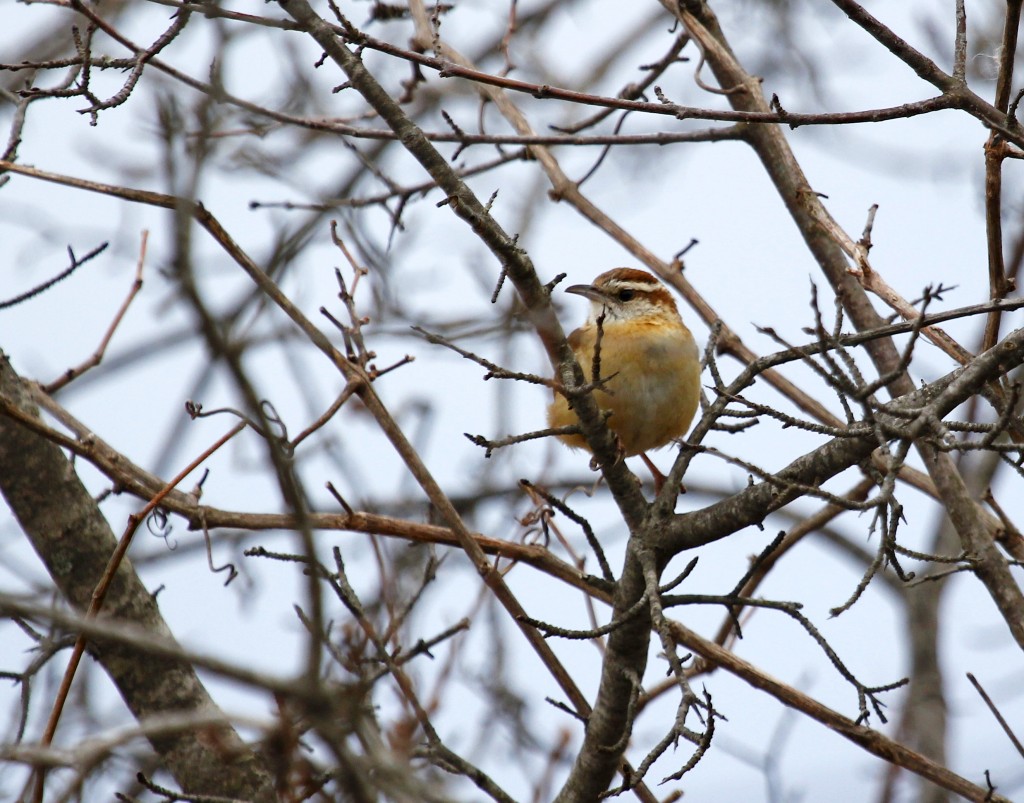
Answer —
72 537
808 212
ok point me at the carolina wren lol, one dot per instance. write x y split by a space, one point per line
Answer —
647 357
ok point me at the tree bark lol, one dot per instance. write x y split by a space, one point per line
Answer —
73 539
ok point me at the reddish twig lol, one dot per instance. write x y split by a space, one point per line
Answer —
100 592
97 357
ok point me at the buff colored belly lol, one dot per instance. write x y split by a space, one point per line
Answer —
654 390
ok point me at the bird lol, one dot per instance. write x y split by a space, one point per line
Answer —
648 364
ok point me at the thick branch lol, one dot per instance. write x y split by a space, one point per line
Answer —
71 536
814 223
514 261
871 740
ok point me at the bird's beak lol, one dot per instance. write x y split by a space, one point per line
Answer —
591 292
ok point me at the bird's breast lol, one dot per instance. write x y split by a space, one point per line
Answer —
653 382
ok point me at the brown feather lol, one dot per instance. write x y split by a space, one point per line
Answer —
648 353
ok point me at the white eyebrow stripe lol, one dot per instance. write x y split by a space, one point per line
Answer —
618 284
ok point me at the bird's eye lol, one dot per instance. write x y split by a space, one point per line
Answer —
626 295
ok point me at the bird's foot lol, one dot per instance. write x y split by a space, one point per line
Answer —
659 478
